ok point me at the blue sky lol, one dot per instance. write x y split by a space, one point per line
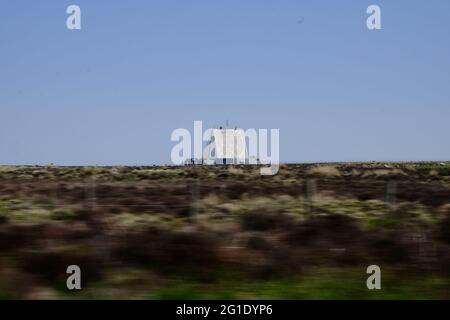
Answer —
113 92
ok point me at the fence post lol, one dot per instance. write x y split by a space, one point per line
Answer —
89 194
311 189
390 194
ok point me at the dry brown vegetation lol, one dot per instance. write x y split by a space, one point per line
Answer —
139 232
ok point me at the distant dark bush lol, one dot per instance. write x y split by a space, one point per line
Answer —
169 251
64 215
3 219
334 229
52 266
264 220
444 229
386 247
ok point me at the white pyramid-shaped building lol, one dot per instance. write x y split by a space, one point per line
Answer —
226 146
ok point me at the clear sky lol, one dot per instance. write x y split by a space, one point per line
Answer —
112 92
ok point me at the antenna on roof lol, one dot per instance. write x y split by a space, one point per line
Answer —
227 124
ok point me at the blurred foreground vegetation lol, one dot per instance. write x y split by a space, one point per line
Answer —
225 232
